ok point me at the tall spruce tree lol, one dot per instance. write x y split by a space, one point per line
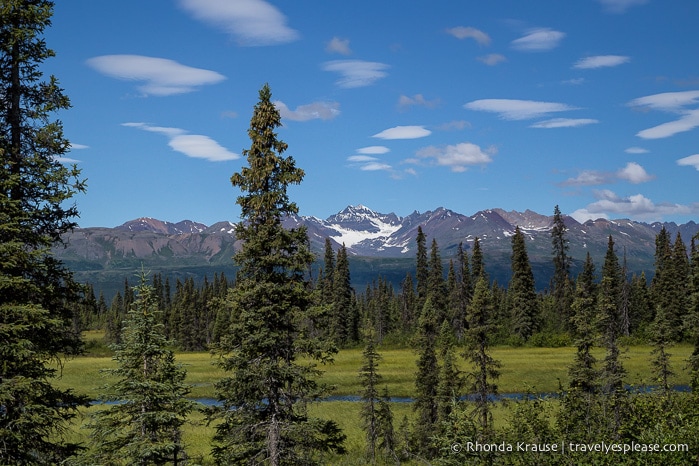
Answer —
522 291
692 319
148 404
560 282
609 317
36 290
485 369
263 417
426 379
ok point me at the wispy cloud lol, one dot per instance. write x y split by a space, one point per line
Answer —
312 111
511 109
455 125
632 172
670 102
337 45
691 161
367 163
160 76
403 132
636 206
667 101
463 32
492 59
356 73
601 61
251 22
74 146
405 101
376 150
458 157
636 150
620 6
564 123
538 40
192 145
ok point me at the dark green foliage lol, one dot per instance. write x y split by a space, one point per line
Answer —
481 379
422 273
451 381
263 415
583 375
692 319
426 379
376 412
37 293
608 308
148 402
561 285
522 293
345 321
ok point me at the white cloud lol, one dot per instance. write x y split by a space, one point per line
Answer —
373 150
66 160
634 173
511 109
462 32
671 102
583 215
161 77
361 158
538 40
686 123
337 45
492 59
375 166
403 132
458 157
587 178
636 206
78 146
192 145
636 150
667 101
417 99
620 6
356 73
691 161
564 123
312 111
252 22
600 61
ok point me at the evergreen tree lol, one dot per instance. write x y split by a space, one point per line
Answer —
477 344
408 300
450 380
612 373
422 271
263 416
522 291
36 290
345 319
426 379
477 263
142 425
436 288
328 274
692 319
560 282
376 412
584 320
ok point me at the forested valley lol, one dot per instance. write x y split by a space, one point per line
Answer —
272 333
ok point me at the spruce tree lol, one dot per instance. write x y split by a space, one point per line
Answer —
142 425
36 290
484 373
613 372
692 319
345 320
560 282
477 262
426 379
522 292
263 416
422 273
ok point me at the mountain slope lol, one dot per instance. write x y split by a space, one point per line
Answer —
372 237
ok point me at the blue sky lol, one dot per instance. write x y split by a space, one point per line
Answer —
589 104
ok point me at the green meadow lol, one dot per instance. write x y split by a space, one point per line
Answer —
537 370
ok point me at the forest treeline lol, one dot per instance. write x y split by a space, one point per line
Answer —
195 314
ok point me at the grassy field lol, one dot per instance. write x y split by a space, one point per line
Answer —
539 370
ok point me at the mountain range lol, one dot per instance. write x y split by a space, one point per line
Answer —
377 243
